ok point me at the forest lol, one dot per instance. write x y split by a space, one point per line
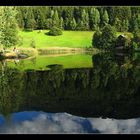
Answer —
79 18
109 20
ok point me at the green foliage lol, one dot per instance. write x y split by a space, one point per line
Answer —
55 19
73 24
94 19
97 40
30 23
86 18
55 31
8 27
61 23
20 19
121 13
39 19
125 25
136 40
105 18
106 38
117 24
84 21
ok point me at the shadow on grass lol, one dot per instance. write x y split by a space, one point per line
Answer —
27 30
48 34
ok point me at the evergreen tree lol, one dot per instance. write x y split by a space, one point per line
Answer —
30 21
94 18
49 23
106 38
40 19
61 23
20 18
117 24
55 19
125 25
80 25
97 40
85 20
105 18
134 24
73 24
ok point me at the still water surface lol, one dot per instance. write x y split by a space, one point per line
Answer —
71 94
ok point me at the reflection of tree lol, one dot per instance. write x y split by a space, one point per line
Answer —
10 86
108 89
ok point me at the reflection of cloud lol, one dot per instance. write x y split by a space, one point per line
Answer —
65 123
57 123
116 126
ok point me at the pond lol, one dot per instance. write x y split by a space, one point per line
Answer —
79 93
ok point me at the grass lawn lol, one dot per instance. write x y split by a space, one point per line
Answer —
71 39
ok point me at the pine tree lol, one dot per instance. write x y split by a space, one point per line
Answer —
105 38
105 18
55 20
125 25
97 40
85 20
40 19
61 23
20 18
48 23
73 24
30 21
94 18
117 24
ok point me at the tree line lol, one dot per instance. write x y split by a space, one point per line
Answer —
78 17
91 18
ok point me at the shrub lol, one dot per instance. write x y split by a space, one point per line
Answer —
55 31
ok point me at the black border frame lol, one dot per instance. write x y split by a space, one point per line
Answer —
69 3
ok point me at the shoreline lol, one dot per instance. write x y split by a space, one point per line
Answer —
32 52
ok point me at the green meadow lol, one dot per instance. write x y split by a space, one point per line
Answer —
73 39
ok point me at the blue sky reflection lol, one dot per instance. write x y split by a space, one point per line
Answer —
32 122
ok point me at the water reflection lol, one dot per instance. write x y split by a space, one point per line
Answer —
40 62
109 90
41 122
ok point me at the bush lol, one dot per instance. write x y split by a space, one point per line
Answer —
55 31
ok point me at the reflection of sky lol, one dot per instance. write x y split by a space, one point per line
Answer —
41 122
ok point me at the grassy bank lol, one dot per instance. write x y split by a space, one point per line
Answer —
50 51
69 42
71 39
